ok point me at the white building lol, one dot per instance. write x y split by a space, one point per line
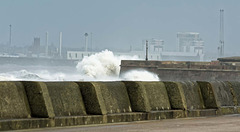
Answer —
190 48
189 42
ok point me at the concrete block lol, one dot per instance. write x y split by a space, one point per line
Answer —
201 112
148 96
192 95
184 95
66 98
13 101
235 90
126 117
225 110
216 94
165 114
16 124
50 99
78 120
39 99
105 97
176 95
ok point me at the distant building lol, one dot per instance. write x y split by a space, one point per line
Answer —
190 48
35 48
189 42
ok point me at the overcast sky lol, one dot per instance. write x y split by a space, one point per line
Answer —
117 24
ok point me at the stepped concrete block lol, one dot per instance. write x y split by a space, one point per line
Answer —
148 96
39 99
13 101
235 90
216 94
66 98
193 96
105 97
52 99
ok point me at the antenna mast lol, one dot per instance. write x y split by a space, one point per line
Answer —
146 50
10 36
60 44
46 44
221 35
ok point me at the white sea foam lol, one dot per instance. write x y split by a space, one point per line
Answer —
102 66
106 66
140 75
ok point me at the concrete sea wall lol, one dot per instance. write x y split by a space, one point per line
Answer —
25 105
185 70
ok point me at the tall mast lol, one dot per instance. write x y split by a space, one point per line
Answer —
221 34
46 43
10 35
60 44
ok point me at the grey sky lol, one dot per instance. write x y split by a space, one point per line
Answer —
117 24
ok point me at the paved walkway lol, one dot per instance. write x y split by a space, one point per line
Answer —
227 123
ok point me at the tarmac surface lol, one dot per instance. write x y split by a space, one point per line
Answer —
227 123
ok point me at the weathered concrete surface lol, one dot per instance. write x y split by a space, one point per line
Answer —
165 114
39 99
105 97
66 98
185 70
52 99
184 95
192 95
13 101
148 96
16 124
187 96
126 117
64 103
79 120
216 94
176 96
209 124
235 90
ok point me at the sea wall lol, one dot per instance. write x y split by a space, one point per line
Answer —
27 105
185 70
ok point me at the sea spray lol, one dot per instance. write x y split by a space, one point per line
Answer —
139 75
105 66
102 66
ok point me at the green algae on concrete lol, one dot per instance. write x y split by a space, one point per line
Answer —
105 97
28 123
216 94
184 95
235 90
13 101
66 98
50 99
192 95
148 96
176 95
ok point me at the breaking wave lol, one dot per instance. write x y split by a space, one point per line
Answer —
102 66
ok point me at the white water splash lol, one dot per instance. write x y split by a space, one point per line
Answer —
140 75
104 66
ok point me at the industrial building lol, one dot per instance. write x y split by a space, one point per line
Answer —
189 48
